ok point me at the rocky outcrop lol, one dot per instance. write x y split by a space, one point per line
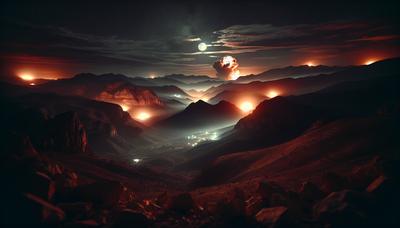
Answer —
68 133
128 94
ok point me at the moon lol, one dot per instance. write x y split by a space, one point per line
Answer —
202 46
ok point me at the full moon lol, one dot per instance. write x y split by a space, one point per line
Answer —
202 46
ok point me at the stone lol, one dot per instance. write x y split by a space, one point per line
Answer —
272 216
343 208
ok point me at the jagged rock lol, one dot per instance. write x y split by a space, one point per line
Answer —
68 133
254 205
182 202
273 216
346 208
310 192
129 218
75 209
105 193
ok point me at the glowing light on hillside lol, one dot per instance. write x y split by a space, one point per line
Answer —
310 64
124 107
136 160
27 77
152 76
370 61
272 93
32 84
246 106
143 116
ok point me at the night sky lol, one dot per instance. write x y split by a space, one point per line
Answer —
54 39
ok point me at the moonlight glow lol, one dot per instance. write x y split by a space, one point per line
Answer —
202 46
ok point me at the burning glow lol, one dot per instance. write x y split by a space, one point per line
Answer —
143 116
370 61
32 84
272 94
124 107
202 46
136 160
27 77
310 64
246 106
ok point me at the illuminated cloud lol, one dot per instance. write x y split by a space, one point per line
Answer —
227 68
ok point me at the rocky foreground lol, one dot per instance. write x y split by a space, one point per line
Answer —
41 192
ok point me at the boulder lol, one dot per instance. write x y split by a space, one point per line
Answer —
346 208
129 218
273 217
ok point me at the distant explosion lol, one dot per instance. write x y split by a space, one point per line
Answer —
226 68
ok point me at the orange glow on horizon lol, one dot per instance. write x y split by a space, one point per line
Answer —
370 61
246 106
27 77
310 64
124 107
143 116
272 93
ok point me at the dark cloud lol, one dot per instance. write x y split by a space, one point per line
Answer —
162 37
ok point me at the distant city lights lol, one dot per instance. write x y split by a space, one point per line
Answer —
136 160
196 139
